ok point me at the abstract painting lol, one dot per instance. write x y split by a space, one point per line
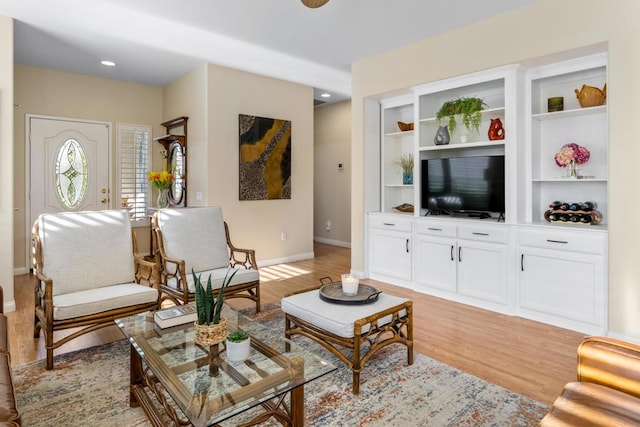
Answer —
265 158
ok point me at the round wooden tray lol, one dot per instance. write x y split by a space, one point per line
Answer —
333 293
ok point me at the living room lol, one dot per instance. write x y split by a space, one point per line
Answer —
480 46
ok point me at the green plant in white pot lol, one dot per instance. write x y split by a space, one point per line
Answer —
238 346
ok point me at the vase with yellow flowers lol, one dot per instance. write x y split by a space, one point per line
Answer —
162 182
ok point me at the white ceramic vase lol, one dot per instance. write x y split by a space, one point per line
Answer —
238 351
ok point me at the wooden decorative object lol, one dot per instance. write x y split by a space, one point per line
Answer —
405 126
589 96
405 207
314 3
211 334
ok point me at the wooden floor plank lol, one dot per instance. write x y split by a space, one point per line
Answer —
526 357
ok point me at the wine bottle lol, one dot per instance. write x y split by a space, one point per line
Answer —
575 206
586 218
563 206
589 206
556 204
574 217
564 217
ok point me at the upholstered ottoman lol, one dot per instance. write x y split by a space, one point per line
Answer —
365 329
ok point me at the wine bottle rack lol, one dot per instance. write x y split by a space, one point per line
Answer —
563 216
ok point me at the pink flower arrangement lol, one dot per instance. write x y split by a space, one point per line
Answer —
572 153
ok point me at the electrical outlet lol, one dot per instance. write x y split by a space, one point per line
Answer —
283 235
328 225
199 196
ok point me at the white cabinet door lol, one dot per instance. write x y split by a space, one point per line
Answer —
482 271
563 285
390 254
435 263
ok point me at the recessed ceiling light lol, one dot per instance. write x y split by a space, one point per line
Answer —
326 95
108 63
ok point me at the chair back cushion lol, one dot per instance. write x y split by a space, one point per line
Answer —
195 235
86 250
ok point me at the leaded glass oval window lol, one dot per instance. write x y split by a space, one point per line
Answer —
71 174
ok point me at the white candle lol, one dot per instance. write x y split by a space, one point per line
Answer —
350 284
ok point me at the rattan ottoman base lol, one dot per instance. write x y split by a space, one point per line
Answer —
363 344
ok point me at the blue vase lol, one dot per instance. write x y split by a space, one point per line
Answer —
407 177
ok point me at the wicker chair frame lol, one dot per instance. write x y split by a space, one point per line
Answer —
364 345
180 295
145 274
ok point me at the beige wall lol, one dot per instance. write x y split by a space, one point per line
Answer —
544 28
55 93
213 155
332 187
187 96
7 201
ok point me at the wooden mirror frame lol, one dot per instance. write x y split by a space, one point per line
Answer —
175 145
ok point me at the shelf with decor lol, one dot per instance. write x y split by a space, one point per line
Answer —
489 100
581 119
398 142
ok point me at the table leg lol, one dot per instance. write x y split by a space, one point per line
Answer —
135 376
297 406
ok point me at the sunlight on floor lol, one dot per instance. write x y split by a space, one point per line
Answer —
279 272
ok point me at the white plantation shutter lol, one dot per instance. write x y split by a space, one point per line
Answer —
133 151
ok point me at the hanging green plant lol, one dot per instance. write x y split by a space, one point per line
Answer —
469 108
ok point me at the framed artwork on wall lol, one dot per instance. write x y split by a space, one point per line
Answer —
265 158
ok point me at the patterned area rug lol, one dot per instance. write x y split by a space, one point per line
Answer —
90 387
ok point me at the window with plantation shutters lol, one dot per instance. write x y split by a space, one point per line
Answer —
133 151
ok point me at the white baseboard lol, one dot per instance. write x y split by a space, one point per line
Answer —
357 273
20 270
292 258
332 242
9 306
623 337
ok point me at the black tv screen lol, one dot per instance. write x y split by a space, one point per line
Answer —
459 184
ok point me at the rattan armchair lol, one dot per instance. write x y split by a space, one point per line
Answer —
89 274
197 240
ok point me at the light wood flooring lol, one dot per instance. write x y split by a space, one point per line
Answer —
526 357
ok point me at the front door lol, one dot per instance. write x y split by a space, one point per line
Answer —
69 165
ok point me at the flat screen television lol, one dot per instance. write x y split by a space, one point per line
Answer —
473 185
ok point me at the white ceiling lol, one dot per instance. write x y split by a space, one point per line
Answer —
156 41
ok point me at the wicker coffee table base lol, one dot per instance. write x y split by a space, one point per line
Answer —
364 344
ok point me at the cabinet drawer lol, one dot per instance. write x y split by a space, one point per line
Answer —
435 228
484 234
564 240
390 223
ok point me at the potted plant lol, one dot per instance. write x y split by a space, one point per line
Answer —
406 163
468 107
238 346
210 327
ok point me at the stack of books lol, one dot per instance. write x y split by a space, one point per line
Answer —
175 316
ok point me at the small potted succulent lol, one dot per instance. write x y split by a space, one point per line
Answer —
238 346
210 327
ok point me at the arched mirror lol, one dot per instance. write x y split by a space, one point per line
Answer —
175 147
177 161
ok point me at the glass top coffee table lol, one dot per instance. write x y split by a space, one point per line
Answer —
204 388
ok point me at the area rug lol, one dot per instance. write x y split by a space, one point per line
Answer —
90 387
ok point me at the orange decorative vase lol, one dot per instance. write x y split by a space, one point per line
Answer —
496 131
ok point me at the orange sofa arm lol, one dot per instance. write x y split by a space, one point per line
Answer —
610 362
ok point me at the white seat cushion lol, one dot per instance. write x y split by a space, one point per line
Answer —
86 250
217 276
195 235
337 318
101 299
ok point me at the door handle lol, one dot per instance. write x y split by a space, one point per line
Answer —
459 253
407 245
452 259
104 201
522 262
